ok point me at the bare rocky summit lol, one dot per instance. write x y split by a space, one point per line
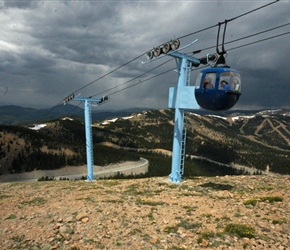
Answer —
230 212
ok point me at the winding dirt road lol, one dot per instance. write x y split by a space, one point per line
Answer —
126 168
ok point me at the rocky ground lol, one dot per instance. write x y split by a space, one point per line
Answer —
231 212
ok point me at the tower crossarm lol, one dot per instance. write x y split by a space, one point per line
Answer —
195 62
89 99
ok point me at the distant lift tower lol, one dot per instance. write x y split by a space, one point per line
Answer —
88 127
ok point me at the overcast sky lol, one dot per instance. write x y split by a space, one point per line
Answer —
49 49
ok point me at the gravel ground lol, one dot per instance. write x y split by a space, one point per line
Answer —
231 212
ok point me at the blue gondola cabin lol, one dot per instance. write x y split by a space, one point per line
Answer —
218 89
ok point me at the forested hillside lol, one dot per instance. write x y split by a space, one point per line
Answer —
58 144
259 141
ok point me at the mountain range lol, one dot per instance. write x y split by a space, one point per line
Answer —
16 115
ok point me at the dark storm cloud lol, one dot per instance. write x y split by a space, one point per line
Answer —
75 34
50 48
20 4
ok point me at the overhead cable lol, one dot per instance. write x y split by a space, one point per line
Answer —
150 78
245 37
229 20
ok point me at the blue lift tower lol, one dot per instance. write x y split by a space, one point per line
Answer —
181 98
88 127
